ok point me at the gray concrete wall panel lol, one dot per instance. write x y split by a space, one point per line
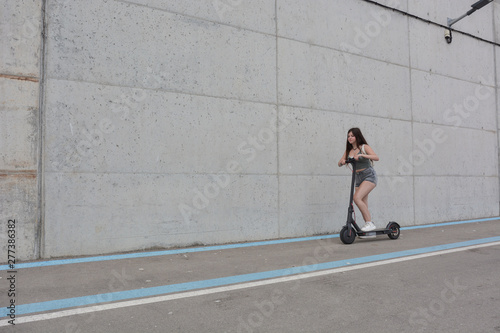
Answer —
97 213
321 78
311 205
437 151
160 50
430 52
448 201
443 100
98 128
374 32
19 125
20 26
19 203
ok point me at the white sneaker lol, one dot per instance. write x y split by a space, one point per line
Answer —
369 226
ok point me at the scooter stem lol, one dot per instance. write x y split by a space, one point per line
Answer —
351 198
350 210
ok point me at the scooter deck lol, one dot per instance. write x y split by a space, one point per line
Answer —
376 231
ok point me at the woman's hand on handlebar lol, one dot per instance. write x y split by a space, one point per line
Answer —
341 162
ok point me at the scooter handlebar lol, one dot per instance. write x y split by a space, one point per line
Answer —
349 160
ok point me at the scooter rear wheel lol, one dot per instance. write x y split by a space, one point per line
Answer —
395 232
346 236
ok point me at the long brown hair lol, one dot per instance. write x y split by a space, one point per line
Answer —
360 140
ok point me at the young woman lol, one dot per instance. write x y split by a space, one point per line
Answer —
366 177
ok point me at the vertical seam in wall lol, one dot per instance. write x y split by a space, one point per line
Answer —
278 208
39 232
496 118
411 114
495 85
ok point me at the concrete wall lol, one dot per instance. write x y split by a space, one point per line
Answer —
20 52
178 123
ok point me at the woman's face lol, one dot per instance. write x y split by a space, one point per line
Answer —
351 138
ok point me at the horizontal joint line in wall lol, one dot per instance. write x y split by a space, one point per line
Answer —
195 17
236 99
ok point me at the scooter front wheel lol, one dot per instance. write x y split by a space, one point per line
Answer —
395 230
347 236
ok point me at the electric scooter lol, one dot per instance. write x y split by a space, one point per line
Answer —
351 229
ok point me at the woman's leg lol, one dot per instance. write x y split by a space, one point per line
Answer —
361 198
365 200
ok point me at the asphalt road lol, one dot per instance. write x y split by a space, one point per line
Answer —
433 279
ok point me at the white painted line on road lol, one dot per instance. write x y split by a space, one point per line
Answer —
156 299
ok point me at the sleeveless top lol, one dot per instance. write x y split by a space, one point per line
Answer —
363 163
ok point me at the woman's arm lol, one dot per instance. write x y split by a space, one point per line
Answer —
370 154
342 160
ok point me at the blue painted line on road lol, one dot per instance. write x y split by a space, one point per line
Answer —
209 248
448 223
162 253
187 286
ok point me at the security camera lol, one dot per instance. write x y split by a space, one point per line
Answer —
447 35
